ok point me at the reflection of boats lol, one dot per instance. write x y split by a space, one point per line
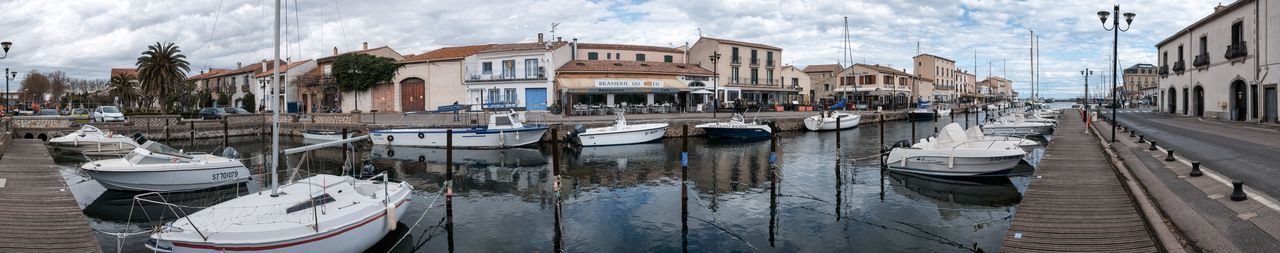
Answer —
620 156
117 205
737 128
90 140
953 154
620 133
1016 126
827 121
511 156
325 135
156 167
990 191
504 130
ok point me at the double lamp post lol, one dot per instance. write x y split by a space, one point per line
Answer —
1115 53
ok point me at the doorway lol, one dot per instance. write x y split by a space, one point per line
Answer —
1199 94
1173 100
413 95
1239 98
1270 95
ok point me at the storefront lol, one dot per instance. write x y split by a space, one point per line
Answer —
587 87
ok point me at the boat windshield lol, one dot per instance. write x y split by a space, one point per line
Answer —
158 148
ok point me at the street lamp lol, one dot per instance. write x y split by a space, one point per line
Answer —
715 84
1086 73
7 78
6 46
1115 53
263 100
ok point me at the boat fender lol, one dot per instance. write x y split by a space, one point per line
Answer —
391 216
390 138
391 153
951 161
422 135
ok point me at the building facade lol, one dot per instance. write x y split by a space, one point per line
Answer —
796 79
434 78
265 86
822 78
868 86
941 72
748 72
1140 82
514 76
319 92
1223 66
595 87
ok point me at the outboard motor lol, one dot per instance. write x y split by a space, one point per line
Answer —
572 136
901 144
230 152
366 169
137 137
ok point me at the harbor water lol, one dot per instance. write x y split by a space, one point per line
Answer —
814 198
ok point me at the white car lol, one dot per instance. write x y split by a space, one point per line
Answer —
107 114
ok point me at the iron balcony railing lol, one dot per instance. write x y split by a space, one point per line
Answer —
1164 70
539 74
1237 50
1179 66
1201 60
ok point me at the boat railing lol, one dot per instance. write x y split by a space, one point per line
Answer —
175 209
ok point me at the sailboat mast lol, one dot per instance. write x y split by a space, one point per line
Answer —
275 105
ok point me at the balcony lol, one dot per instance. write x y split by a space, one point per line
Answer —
1237 50
1201 60
768 64
755 61
1179 66
1164 70
735 60
244 87
540 74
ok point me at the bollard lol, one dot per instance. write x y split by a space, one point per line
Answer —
1132 134
1195 169
1170 158
1237 193
1142 138
1153 145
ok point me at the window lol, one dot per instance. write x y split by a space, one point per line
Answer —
734 57
494 96
733 75
509 96
639 57
668 58
593 56
1237 33
888 80
1165 59
608 56
754 60
795 82
769 58
755 76
531 69
509 68
486 68
768 73
1180 53
1204 44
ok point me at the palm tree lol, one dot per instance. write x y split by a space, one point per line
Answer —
160 69
122 86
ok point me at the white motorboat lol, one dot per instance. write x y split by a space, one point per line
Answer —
1032 117
322 213
325 135
944 112
1015 127
737 128
159 168
620 133
503 130
953 154
827 121
90 140
974 133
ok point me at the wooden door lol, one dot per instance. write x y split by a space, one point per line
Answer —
413 95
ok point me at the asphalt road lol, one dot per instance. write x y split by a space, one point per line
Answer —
1239 151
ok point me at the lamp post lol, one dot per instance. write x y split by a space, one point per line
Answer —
262 104
6 46
7 94
715 84
1086 73
1115 53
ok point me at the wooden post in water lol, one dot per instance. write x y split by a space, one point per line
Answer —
684 189
773 186
448 196
192 125
912 120
166 128
555 187
935 121
344 152
225 133
882 155
837 136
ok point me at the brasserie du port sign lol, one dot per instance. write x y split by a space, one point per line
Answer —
627 83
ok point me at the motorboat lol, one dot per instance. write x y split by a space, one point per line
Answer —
156 167
1016 126
951 153
325 135
922 112
90 140
1034 117
829 120
620 133
737 128
975 133
320 213
504 130
943 112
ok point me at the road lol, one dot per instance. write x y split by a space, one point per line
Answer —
1243 151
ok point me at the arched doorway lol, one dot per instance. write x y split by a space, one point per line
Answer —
1186 101
1198 92
1239 98
413 95
1173 100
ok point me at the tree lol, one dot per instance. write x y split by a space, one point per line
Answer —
224 99
359 72
123 86
35 86
58 84
160 68
249 102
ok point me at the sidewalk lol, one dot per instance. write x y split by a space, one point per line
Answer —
1199 208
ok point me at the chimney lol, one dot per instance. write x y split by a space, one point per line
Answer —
364 46
1218 8
264 66
238 66
540 38
335 50
573 49
558 39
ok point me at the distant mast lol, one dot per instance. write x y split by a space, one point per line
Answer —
275 112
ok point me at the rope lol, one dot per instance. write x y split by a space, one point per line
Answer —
423 215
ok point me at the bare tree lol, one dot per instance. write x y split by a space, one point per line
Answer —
35 86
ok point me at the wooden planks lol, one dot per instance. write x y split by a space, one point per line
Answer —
37 211
1075 202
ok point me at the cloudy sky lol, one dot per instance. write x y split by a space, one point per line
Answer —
88 37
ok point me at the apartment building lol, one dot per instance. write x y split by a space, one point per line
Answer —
868 86
1140 82
515 75
264 85
1223 65
941 72
822 81
748 72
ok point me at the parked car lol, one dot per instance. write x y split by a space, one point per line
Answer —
212 113
107 113
79 114
48 113
234 110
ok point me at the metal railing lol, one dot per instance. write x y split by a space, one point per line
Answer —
1236 50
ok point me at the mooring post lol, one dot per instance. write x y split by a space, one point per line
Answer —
1237 191
192 125
1170 157
344 152
448 155
225 133
935 120
555 187
448 196
1153 145
773 186
837 136
684 189
912 119
166 128
1195 169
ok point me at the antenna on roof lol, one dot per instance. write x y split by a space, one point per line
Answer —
553 29
699 32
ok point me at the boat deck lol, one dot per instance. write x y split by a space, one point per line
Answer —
37 211
1076 202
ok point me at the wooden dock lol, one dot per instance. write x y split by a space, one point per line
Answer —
1076 202
37 211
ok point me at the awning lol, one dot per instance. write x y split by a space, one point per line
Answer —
620 90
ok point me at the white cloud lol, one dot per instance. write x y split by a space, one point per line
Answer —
88 37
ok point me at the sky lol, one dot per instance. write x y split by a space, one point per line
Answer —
86 38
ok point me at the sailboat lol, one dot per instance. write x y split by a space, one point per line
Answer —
831 119
322 213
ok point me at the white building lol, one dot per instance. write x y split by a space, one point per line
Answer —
517 75
1223 66
288 72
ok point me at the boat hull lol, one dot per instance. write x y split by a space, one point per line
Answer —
1016 130
737 133
921 116
169 180
94 148
817 123
462 137
639 134
941 163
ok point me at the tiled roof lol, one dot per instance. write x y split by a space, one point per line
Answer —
884 69
823 68
935 56
127 71
268 72
447 53
749 44
629 47
208 74
616 66
522 46
331 57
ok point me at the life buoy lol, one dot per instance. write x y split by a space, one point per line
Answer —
391 153
390 138
422 135
422 158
